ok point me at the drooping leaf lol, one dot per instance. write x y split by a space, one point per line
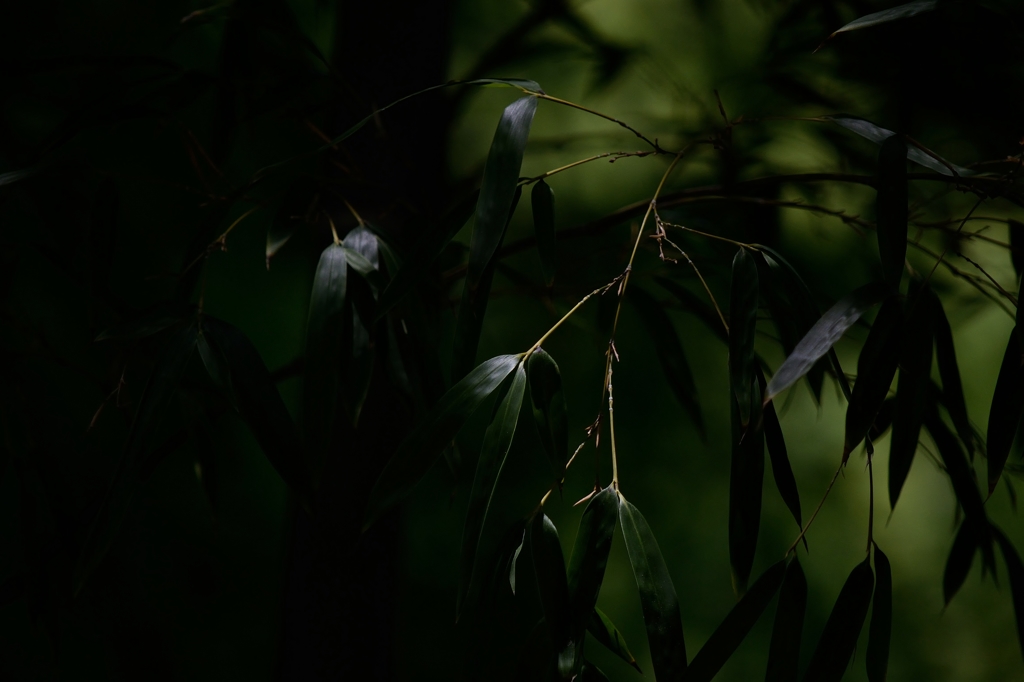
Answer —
880 629
1017 245
324 329
876 367
424 445
878 135
784 650
549 570
892 14
742 327
839 637
737 624
657 594
512 564
746 482
670 352
955 462
913 390
362 255
605 632
497 441
961 556
823 335
891 208
949 372
782 471
543 200
549 411
1015 569
1007 405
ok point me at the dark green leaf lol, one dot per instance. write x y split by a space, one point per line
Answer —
878 135
876 367
605 632
784 651
497 441
742 328
323 348
549 411
1017 245
955 462
782 471
883 420
543 200
746 481
839 638
549 570
515 560
961 556
362 256
424 445
880 629
823 335
892 14
670 352
657 594
1015 569
591 673
731 632
891 208
949 372
1007 404
216 366
913 390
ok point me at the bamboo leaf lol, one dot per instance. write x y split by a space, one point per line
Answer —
961 556
910 9
742 327
823 335
949 372
839 638
361 254
955 462
733 630
543 200
878 135
880 629
1017 245
782 470
1015 569
1007 404
591 673
515 560
891 208
746 482
324 329
605 632
424 445
497 441
549 411
784 650
549 570
876 367
670 352
657 594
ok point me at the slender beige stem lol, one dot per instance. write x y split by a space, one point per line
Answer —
611 429
871 502
815 514
654 145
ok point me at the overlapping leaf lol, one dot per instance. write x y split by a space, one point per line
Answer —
543 200
742 328
878 135
784 650
1007 405
746 481
880 630
839 637
605 632
961 556
949 372
876 368
782 470
1015 569
549 571
549 412
324 330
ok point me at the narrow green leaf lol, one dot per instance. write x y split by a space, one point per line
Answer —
1007 405
913 390
670 352
731 632
823 335
497 441
784 650
880 629
362 255
657 594
552 586
891 208
324 330
591 673
892 14
746 483
605 632
1015 569
742 328
549 411
961 556
782 470
543 200
876 367
424 445
949 372
588 562
839 638
1017 245
878 135
955 462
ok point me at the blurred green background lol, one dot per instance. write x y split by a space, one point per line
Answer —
200 583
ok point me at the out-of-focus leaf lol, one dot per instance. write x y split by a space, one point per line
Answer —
878 135
1007 404
913 390
746 481
657 594
961 556
782 471
883 420
949 372
731 632
549 570
549 411
876 367
543 200
424 445
1015 569
670 352
591 673
784 650
588 562
692 304
216 366
298 206
880 629
839 638
260 405
742 327
155 320
1017 245
103 235
886 15
823 335
323 348
497 441
891 208
956 465
605 632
